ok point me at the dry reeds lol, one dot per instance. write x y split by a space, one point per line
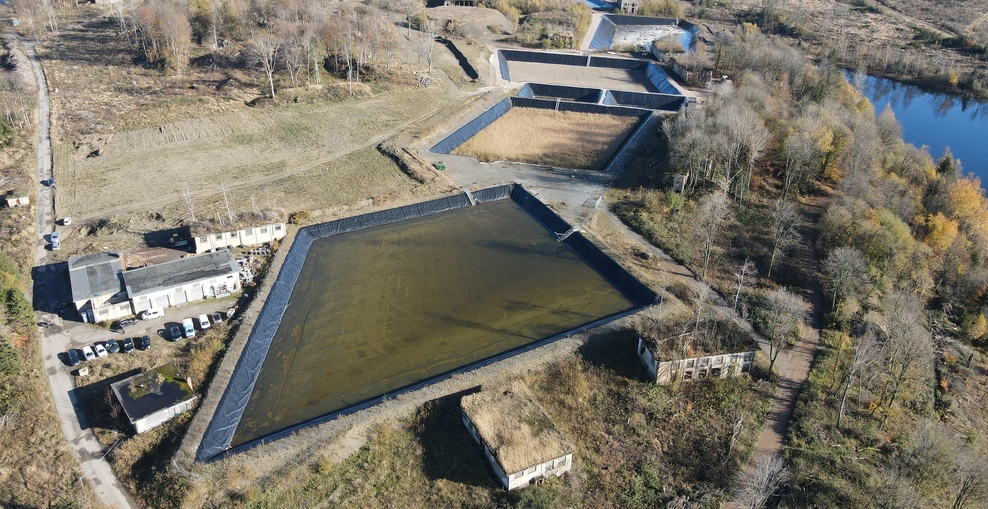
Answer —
562 139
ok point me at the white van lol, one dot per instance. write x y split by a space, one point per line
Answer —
189 329
151 314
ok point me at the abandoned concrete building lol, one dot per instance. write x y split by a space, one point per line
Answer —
628 6
245 237
154 397
693 368
519 439
184 280
97 287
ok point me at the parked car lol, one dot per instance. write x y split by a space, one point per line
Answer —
143 342
127 322
216 317
100 350
112 346
55 245
176 333
72 357
190 330
87 353
54 237
127 346
203 322
66 221
151 314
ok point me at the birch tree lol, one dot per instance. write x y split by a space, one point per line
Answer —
782 315
711 212
263 54
784 230
756 487
865 352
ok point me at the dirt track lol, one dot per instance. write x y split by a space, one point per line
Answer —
794 364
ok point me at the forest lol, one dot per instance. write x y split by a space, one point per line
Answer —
893 412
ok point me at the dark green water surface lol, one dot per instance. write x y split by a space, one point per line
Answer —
378 309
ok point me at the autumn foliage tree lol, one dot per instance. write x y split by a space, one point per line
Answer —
164 32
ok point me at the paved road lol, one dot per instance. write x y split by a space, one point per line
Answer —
51 283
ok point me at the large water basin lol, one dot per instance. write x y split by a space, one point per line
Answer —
386 308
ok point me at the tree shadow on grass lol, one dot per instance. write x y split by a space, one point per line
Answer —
448 450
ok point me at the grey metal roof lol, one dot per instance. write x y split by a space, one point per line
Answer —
179 272
95 274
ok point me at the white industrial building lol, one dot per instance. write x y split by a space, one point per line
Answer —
519 439
245 237
184 280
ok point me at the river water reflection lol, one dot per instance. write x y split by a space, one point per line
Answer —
937 120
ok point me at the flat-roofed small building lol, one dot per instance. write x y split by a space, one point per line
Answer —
17 198
519 439
184 280
244 237
154 397
693 368
97 286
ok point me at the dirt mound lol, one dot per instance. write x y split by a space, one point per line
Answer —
471 22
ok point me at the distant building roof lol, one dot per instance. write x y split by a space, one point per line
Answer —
151 391
515 427
95 274
179 272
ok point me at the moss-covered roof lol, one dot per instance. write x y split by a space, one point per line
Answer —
515 427
153 390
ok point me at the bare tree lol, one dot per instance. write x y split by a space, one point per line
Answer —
748 267
784 229
783 313
226 201
701 293
430 33
906 343
263 54
865 351
799 149
845 273
294 54
163 31
970 479
756 487
889 129
187 196
711 211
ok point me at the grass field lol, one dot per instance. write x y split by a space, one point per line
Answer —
562 139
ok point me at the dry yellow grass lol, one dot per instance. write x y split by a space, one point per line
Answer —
563 139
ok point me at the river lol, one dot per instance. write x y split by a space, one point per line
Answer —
937 120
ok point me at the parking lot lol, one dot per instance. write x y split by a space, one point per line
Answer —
63 334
